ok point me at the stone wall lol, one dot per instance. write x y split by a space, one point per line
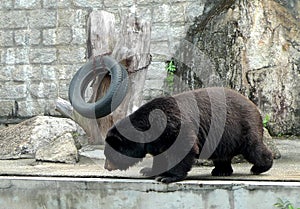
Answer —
43 43
253 46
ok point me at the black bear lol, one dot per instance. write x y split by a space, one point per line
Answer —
215 123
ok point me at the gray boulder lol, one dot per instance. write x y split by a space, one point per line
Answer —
47 138
62 149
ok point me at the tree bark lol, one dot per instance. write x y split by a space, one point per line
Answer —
132 49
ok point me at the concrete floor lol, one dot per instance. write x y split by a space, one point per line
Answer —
29 184
92 162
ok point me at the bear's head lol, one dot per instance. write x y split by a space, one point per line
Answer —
120 152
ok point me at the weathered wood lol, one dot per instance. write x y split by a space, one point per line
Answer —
101 41
132 49
90 126
101 33
133 44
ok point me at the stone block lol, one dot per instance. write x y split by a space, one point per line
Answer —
157 71
64 89
149 94
36 106
57 36
20 72
12 56
160 32
118 3
6 73
66 72
6 38
154 84
43 55
13 19
8 56
48 73
27 37
6 4
57 4
162 14
144 2
160 51
43 90
79 36
178 31
27 4
42 18
72 18
71 55
6 107
19 91
22 55
34 73
96 4
177 12
144 13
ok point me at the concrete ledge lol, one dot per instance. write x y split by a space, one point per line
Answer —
85 193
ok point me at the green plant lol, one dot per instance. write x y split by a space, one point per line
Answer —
284 204
280 135
171 69
266 120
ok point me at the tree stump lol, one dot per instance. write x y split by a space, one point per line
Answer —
131 47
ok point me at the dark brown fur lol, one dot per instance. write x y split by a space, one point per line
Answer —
242 134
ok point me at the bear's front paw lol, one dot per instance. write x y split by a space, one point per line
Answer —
221 172
147 171
256 170
168 179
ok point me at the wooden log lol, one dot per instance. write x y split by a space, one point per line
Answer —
133 45
101 33
101 41
132 49
90 126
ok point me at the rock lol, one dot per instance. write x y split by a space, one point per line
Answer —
62 149
253 47
42 135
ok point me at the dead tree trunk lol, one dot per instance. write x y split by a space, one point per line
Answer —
131 47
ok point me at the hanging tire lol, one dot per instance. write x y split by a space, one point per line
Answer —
115 94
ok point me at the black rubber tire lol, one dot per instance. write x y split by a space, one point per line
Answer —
114 95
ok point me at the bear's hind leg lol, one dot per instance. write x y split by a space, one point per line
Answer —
222 168
260 156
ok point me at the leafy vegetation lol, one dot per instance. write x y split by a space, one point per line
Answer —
284 204
266 120
171 69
